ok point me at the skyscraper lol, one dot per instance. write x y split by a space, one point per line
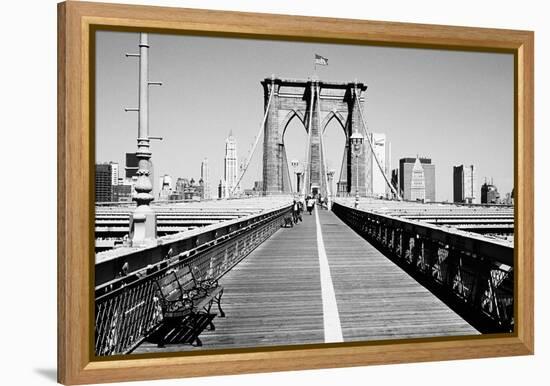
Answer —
464 184
221 189
230 164
395 180
131 165
114 173
166 187
418 185
489 194
205 177
122 193
405 177
103 183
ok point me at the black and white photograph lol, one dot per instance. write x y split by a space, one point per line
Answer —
254 193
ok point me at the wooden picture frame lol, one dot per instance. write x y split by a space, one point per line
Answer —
76 20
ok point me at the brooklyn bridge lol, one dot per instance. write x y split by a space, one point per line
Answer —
247 272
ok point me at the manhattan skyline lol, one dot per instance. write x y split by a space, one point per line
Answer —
454 107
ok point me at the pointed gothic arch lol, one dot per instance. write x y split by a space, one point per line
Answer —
335 114
341 185
292 114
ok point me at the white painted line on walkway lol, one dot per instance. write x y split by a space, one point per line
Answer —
331 317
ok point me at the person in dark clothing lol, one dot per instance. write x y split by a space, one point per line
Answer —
295 211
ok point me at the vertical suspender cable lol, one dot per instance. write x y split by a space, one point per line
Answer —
257 139
375 156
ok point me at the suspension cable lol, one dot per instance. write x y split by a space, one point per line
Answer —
247 164
308 149
329 189
375 156
289 176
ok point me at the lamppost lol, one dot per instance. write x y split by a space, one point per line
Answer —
143 223
294 163
357 147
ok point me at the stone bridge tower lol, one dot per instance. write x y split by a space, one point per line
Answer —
314 103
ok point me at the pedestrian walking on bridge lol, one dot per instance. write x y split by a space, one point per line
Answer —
295 211
310 204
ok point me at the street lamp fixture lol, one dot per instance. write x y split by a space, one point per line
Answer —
330 175
356 143
294 163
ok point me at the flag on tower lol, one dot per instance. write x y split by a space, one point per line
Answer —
320 60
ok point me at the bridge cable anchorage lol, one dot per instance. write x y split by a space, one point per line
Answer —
376 157
247 164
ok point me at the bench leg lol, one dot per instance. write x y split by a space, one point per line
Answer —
198 341
194 320
219 301
161 333
160 343
211 326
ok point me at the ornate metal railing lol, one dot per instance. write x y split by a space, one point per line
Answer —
470 273
127 308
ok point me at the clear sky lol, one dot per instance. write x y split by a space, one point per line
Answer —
455 107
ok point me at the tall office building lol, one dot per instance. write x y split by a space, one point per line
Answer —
230 165
122 193
221 189
489 194
179 192
114 173
418 185
166 187
406 166
395 180
131 165
205 177
103 183
464 184
378 181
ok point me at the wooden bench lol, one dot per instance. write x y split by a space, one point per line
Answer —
207 287
186 306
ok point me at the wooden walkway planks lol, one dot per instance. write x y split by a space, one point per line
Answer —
377 299
273 297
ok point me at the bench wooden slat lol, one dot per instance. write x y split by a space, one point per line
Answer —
185 278
166 280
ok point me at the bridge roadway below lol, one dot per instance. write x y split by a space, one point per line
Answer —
298 289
